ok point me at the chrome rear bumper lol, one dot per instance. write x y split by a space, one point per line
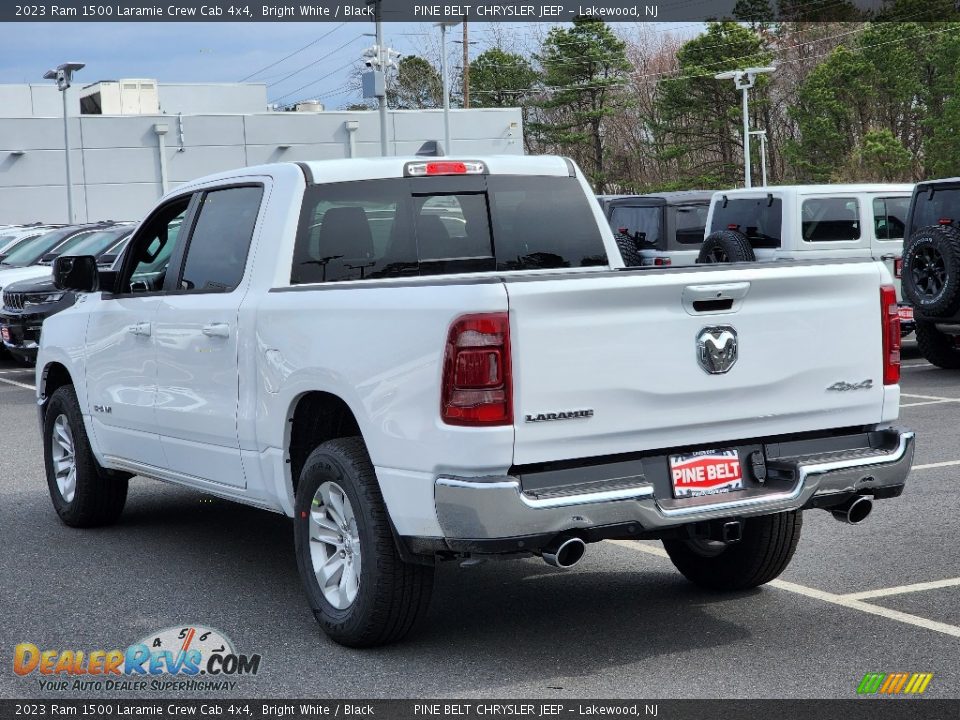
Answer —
490 508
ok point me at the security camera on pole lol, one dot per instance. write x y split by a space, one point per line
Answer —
63 74
378 58
744 80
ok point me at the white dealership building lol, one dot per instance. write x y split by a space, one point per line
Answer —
132 140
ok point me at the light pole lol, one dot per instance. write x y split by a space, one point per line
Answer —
743 80
63 74
763 153
446 81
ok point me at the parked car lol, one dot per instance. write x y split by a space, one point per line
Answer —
27 303
13 236
495 385
811 221
931 269
660 228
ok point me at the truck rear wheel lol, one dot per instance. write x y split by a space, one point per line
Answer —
726 246
764 552
360 590
83 493
938 347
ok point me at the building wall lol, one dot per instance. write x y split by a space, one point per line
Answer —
116 159
44 100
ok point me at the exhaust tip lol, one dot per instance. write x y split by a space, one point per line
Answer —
854 512
565 553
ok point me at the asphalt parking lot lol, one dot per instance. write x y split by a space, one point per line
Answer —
880 597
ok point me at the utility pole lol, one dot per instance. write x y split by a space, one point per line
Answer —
743 80
63 74
382 98
466 66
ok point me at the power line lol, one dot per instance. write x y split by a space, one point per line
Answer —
314 82
295 52
314 62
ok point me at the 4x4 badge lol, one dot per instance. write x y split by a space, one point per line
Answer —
846 387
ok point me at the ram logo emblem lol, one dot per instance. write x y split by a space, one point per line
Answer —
717 349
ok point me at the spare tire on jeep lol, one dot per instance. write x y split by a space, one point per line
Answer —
931 270
628 250
726 246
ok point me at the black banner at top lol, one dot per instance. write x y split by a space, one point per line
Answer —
476 10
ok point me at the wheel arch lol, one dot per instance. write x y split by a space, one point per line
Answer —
315 417
53 376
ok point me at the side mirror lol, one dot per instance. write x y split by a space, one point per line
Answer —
77 273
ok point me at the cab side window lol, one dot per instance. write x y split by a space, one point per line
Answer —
152 247
220 241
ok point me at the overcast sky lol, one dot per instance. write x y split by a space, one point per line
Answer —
229 52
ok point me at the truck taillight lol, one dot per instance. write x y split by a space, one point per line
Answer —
662 261
476 388
890 317
898 268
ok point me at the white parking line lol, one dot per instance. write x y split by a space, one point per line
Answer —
18 384
929 466
929 397
927 402
842 600
916 587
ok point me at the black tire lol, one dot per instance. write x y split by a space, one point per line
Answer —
931 270
392 596
937 347
98 495
628 251
764 552
726 246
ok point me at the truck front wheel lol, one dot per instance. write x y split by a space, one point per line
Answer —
83 493
764 552
360 590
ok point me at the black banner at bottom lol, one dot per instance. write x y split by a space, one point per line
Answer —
220 709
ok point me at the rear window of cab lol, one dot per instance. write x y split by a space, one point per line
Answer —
410 227
760 219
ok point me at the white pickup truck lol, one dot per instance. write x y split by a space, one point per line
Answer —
423 360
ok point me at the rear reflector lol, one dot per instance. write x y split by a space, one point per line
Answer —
662 261
898 268
476 388
733 226
890 318
945 221
444 167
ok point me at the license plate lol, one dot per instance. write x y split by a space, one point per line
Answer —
905 313
5 334
706 472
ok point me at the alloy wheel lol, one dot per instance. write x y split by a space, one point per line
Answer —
929 272
335 545
64 459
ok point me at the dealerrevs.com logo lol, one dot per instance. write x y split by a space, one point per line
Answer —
190 657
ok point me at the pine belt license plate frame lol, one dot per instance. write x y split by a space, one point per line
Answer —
706 472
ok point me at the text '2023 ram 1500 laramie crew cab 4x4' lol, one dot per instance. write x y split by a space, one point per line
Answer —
421 360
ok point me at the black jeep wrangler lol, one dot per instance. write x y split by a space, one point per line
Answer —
931 269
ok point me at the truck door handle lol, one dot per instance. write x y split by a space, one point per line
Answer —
221 330
140 328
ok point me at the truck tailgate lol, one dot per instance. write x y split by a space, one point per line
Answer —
608 364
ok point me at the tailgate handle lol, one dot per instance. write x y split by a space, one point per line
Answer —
720 305
705 299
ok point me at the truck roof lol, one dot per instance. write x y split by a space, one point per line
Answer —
352 169
821 189
668 198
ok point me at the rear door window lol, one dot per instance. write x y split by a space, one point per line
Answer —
833 219
890 217
426 226
690 222
642 224
760 219
943 205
